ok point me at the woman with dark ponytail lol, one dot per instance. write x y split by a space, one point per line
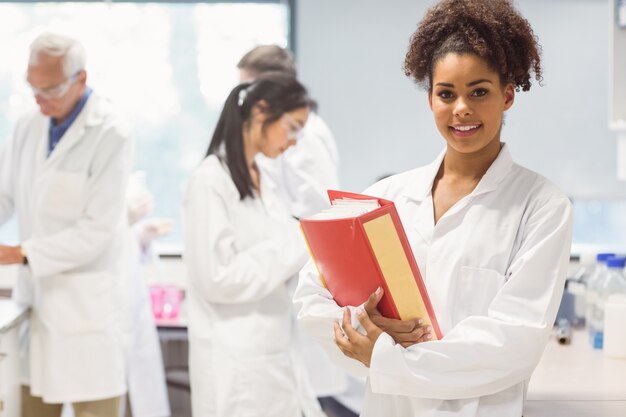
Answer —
241 247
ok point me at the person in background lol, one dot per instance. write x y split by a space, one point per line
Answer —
147 390
492 238
303 173
64 173
241 247
301 176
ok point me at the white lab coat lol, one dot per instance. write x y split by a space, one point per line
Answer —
147 389
301 177
72 222
303 173
239 255
494 266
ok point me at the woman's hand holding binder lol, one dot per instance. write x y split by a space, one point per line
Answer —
354 344
404 332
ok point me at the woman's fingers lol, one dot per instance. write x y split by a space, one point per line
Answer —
370 328
419 334
426 336
339 336
394 325
373 299
342 341
352 334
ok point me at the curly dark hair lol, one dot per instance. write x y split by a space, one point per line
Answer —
492 29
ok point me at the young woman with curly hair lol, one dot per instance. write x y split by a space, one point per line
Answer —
492 238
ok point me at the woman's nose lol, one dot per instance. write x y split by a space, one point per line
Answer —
462 109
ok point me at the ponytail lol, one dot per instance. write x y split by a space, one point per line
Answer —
229 134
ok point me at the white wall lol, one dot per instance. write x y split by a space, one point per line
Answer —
350 55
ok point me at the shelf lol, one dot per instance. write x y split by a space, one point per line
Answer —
617 76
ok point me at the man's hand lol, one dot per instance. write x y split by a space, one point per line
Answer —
404 332
352 343
153 228
10 255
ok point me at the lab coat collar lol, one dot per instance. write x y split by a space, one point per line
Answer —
496 172
420 186
421 183
96 110
92 114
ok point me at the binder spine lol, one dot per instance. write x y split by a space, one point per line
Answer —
386 305
413 264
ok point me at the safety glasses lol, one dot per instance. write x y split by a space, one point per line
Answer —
56 91
293 128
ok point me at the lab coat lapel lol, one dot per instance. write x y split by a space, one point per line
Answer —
425 224
75 133
419 191
488 183
496 173
40 131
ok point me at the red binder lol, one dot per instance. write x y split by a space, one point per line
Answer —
355 255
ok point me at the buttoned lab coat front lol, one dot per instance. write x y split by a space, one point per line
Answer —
494 266
71 215
239 255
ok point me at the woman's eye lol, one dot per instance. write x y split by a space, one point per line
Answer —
445 94
479 92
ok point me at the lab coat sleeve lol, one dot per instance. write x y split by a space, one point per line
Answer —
101 219
6 182
317 311
482 355
220 271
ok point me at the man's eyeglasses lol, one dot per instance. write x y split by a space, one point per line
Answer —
56 91
293 128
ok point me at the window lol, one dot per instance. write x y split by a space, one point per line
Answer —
168 67
599 226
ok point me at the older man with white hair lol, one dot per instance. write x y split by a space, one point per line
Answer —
64 174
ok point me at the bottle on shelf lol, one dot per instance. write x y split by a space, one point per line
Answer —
613 282
594 278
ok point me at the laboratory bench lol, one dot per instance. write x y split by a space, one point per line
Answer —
11 316
576 380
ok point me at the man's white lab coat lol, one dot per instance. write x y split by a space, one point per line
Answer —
72 220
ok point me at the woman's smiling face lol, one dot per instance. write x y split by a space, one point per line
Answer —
468 100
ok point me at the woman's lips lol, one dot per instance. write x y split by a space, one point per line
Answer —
465 130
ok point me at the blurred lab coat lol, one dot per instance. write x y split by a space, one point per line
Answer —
240 255
72 222
300 177
494 266
303 173
147 390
